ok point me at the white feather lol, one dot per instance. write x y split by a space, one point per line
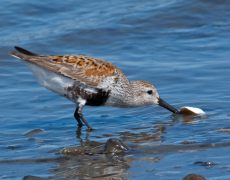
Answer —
51 80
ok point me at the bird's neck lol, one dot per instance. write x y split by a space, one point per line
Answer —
122 95
131 95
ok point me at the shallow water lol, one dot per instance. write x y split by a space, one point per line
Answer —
183 47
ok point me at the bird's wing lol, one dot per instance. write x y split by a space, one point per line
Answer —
88 70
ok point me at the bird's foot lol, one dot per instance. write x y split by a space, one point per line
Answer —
89 129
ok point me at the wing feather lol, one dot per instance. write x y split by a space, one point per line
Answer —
88 70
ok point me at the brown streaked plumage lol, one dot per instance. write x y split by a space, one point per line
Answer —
90 81
89 66
86 69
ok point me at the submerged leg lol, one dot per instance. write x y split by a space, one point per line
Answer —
79 116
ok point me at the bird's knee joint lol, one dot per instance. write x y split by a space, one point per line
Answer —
79 113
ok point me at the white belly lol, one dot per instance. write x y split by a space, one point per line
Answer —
53 81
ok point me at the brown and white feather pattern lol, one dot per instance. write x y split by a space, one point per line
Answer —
93 72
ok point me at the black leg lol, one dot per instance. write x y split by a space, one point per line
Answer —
80 118
77 117
78 133
86 123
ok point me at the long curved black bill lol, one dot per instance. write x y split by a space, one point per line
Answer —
164 104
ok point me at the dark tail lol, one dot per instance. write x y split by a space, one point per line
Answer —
22 53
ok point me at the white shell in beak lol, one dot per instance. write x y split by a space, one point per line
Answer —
187 110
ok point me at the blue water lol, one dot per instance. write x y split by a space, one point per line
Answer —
183 47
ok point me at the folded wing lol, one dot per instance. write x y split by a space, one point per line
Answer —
88 70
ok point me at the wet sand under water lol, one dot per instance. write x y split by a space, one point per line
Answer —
92 159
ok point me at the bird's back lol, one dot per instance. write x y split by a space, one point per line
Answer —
62 73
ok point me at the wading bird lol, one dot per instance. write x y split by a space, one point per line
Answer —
90 81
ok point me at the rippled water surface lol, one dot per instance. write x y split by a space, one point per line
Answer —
183 47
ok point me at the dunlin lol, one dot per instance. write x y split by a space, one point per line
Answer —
90 81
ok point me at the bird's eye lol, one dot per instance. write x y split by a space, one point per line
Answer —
150 92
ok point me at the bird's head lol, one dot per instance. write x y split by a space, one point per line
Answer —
146 93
